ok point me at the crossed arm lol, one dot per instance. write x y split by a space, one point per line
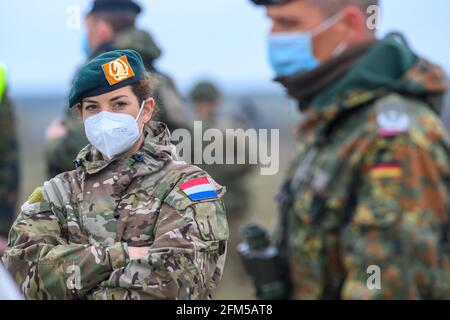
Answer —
184 261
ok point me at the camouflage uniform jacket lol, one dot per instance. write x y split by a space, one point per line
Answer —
70 240
370 189
171 110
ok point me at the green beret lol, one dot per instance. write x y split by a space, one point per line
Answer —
106 72
204 91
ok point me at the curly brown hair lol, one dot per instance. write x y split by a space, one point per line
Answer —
145 87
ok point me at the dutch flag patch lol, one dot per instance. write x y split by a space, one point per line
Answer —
199 189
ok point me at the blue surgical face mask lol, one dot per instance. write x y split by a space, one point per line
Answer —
85 47
292 52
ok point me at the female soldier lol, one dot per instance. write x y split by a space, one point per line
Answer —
130 222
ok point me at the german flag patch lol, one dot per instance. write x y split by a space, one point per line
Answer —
386 171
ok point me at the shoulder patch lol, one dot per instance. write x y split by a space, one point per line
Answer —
392 117
199 189
36 196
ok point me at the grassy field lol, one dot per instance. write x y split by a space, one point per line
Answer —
34 114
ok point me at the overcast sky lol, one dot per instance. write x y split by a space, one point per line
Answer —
219 39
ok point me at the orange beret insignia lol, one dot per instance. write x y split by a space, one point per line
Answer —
118 70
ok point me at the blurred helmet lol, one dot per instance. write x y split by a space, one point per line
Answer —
110 5
269 2
204 91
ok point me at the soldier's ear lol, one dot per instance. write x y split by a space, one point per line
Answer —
149 107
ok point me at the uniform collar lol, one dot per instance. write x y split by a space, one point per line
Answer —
155 152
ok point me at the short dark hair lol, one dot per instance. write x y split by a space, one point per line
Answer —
118 20
331 7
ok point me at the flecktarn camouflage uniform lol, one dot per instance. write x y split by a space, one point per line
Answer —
70 240
371 184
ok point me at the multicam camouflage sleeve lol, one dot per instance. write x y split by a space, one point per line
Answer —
401 220
42 262
186 259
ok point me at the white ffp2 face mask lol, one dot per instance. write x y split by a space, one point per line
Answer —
112 133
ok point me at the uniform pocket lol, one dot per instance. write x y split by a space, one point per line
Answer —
211 220
378 205
375 236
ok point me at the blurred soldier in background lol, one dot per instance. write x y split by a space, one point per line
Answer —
248 115
206 101
365 206
9 164
111 25
205 97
